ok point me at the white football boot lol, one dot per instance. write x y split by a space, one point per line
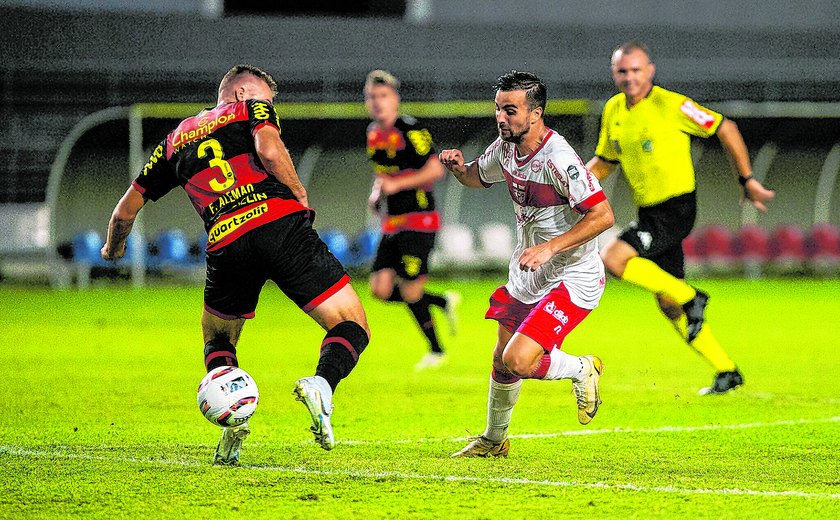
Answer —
430 360
453 301
227 451
316 394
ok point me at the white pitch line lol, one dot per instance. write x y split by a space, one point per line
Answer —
571 433
21 452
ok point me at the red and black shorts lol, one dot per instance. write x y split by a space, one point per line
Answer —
406 252
660 229
547 321
287 251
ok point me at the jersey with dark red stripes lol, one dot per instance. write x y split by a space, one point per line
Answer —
212 155
402 150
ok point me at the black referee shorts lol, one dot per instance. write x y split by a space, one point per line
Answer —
660 229
287 251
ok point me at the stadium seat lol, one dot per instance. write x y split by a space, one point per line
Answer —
172 249
823 249
338 244
693 260
752 248
714 245
197 248
496 241
86 247
456 244
787 249
365 245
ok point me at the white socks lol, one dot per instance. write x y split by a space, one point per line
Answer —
500 401
564 366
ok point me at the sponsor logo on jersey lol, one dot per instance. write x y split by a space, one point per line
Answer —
390 142
573 172
261 111
228 225
562 178
421 140
536 166
518 192
697 114
198 127
647 145
157 154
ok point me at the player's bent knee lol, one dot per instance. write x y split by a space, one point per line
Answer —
518 364
349 335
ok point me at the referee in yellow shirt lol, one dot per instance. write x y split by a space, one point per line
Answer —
646 129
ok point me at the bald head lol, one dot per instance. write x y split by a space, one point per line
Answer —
246 82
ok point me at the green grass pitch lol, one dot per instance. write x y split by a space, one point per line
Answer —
100 419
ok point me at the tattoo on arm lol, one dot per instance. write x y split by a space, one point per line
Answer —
118 232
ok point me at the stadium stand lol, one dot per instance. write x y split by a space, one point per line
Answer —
823 249
752 248
693 259
787 250
456 245
496 242
714 246
364 246
54 76
338 244
170 249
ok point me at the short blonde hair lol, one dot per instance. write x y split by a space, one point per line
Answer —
382 77
244 68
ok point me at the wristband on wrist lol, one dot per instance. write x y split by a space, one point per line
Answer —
743 180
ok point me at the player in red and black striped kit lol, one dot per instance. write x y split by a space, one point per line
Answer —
237 172
406 168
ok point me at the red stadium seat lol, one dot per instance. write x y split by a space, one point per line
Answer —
714 245
823 248
752 248
693 260
787 249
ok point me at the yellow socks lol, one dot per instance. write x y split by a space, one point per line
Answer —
646 274
706 345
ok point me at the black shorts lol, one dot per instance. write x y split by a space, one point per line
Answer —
287 251
406 252
659 232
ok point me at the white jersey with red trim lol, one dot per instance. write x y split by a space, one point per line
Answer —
551 191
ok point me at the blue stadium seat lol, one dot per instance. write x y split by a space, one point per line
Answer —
365 245
173 249
86 246
338 244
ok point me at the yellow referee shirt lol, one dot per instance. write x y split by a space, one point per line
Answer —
652 142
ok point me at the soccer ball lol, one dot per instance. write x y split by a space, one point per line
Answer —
228 396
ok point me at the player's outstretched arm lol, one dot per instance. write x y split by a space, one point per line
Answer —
431 172
467 174
733 142
276 159
122 220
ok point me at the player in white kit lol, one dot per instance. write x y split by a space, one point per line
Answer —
556 276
